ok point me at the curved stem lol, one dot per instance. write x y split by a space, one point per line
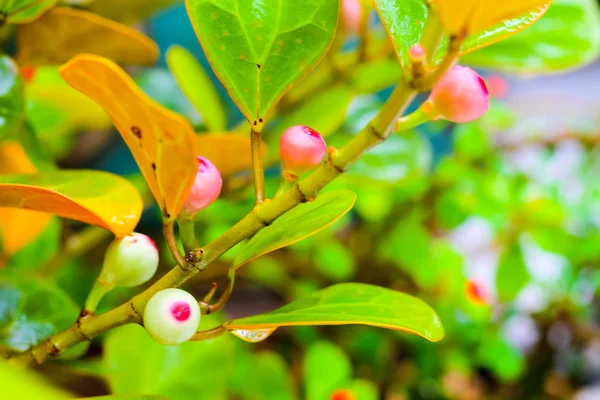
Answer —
432 35
209 334
412 120
98 291
169 236
187 234
218 306
258 171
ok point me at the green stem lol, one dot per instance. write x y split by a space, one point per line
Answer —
432 35
169 235
258 171
287 182
188 234
412 120
98 291
209 334
262 215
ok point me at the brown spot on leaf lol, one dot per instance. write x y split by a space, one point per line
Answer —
258 66
242 57
136 131
153 166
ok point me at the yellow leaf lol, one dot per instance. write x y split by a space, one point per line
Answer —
18 227
474 16
160 140
64 32
229 152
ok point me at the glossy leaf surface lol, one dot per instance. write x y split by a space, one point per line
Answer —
31 310
300 222
135 364
160 140
197 87
352 303
12 100
260 48
93 197
474 16
229 152
76 31
567 36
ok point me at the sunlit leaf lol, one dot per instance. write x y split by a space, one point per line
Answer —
352 303
23 11
197 87
18 227
474 16
567 36
94 197
128 11
18 383
259 49
302 221
229 152
12 101
31 310
161 141
76 31
404 21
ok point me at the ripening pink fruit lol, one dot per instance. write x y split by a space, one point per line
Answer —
342 394
206 189
460 96
129 261
352 13
301 149
171 316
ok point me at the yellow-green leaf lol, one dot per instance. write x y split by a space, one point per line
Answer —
229 152
128 11
160 140
94 197
197 87
69 31
301 222
351 303
23 11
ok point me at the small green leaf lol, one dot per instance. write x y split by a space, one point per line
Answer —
12 98
567 36
325 112
134 364
260 48
325 367
352 303
130 397
23 384
94 197
270 378
512 275
303 221
31 310
22 11
197 87
362 389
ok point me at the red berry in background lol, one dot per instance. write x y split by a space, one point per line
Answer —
206 188
459 96
498 86
475 293
342 394
171 316
129 261
352 13
301 149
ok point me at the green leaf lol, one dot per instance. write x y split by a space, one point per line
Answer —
362 389
324 112
94 197
12 98
31 310
566 37
512 275
131 397
135 364
22 11
23 384
40 250
352 303
334 261
197 87
260 48
325 367
506 362
375 76
405 19
302 221
267 377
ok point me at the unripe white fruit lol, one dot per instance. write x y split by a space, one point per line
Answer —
172 316
129 261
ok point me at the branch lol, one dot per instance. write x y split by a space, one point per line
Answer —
258 170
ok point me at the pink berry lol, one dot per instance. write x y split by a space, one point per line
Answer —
352 14
460 96
416 52
302 149
206 189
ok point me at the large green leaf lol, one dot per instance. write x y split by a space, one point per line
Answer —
22 384
352 303
94 197
260 48
324 368
568 36
136 364
404 21
271 378
12 98
197 87
303 221
31 310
